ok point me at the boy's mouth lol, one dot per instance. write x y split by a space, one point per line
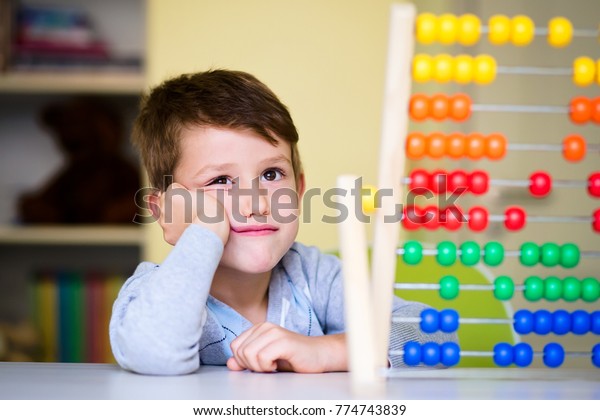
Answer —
254 230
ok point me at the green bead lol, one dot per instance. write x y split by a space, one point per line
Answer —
590 289
550 254
493 254
446 253
569 255
552 288
530 254
470 253
504 288
449 287
534 288
571 289
413 252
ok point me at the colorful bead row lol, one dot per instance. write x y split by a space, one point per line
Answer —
504 354
452 218
482 69
448 29
458 108
456 145
535 288
540 322
560 322
421 182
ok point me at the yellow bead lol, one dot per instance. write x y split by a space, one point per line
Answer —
485 69
443 67
469 29
584 71
448 29
427 28
463 69
368 199
598 71
560 32
499 29
422 68
522 30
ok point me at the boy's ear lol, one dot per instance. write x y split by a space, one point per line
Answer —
154 204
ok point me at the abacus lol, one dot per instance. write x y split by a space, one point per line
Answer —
370 289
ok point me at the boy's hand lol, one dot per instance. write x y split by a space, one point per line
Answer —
179 208
267 347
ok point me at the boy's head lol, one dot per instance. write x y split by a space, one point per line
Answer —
217 98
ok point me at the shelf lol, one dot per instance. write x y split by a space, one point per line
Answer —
96 82
109 235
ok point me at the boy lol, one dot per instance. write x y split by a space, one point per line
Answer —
236 289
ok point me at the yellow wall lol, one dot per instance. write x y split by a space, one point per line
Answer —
325 60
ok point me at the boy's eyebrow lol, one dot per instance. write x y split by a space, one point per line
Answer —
224 167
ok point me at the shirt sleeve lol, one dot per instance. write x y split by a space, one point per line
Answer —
158 317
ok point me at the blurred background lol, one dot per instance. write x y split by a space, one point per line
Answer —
72 75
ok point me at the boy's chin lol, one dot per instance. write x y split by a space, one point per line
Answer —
252 263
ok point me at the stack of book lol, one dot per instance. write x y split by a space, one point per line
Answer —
71 311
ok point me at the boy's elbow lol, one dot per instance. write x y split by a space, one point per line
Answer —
153 359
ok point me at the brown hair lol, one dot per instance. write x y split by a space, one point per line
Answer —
217 98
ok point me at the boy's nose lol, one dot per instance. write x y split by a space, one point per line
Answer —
253 200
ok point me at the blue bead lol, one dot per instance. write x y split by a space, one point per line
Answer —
429 320
431 353
595 327
580 322
523 354
503 354
412 353
561 322
554 355
448 320
596 355
523 321
542 322
450 354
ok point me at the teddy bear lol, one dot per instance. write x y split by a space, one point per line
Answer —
97 183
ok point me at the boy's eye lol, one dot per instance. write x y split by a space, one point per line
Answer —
221 180
272 175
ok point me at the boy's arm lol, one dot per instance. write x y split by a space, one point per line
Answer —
159 314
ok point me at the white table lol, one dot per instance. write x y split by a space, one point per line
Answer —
97 381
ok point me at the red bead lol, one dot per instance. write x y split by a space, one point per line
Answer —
451 217
438 182
458 182
478 182
431 217
514 218
540 184
594 184
478 219
419 182
413 217
596 222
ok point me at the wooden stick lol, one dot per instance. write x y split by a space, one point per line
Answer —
357 295
391 167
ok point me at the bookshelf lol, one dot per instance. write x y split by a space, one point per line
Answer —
30 157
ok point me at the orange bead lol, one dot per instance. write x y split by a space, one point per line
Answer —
456 145
475 145
596 110
580 110
439 106
419 107
436 145
574 148
496 146
460 107
415 145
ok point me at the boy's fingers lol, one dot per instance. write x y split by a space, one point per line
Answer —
233 364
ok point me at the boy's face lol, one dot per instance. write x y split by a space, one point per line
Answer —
255 182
